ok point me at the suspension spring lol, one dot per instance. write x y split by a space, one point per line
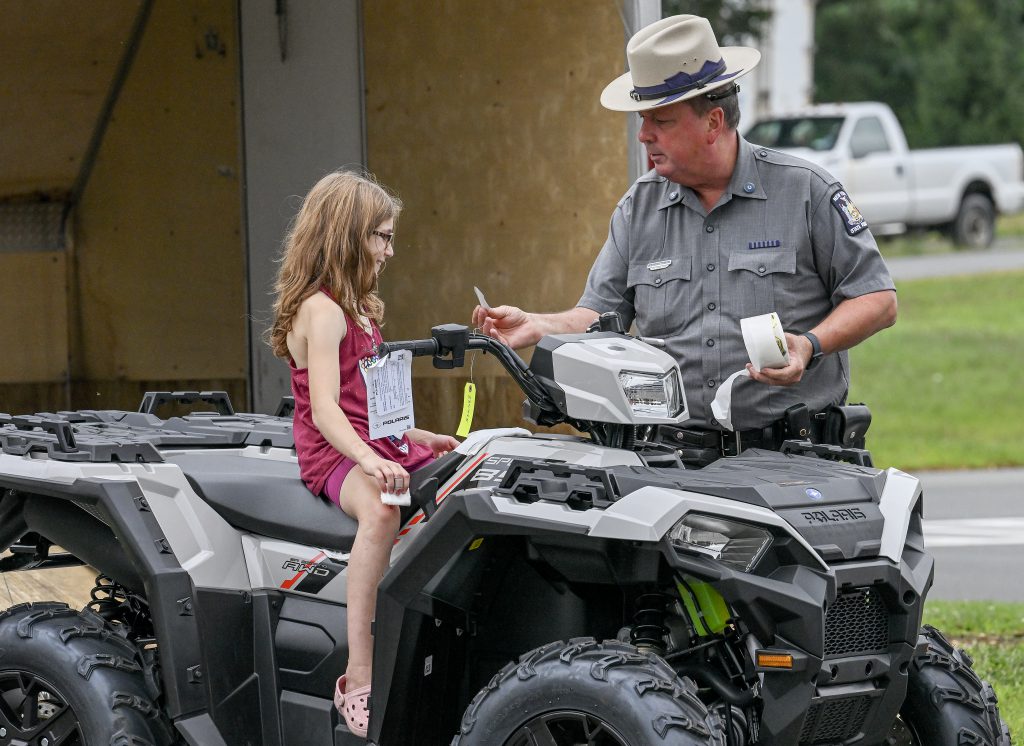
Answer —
649 630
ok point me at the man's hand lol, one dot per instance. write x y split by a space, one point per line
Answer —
509 324
800 352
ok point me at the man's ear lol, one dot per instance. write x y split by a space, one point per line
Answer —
715 124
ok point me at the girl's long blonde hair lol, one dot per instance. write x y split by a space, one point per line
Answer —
328 247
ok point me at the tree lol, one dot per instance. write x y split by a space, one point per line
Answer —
732 20
952 70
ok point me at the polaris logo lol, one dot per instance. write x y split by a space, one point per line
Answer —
839 515
393 420
813 493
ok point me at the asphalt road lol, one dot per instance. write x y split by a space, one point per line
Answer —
1005 255
974 527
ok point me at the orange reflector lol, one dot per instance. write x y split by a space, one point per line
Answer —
774 660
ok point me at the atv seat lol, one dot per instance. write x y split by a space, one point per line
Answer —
266 497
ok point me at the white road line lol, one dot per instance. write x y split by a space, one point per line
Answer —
974 532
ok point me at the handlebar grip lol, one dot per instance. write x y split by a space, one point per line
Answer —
418 347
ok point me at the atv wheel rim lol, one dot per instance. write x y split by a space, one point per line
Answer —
566 728
33 712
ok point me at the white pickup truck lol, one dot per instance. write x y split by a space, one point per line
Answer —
959 190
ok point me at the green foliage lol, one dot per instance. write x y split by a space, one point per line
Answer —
734 21
941 383
952 70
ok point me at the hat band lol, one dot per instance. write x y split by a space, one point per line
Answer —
681 82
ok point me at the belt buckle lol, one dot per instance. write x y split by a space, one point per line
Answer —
728 442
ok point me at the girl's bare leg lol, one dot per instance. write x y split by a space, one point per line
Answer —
371 552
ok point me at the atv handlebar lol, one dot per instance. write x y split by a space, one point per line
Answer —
448 345
418 347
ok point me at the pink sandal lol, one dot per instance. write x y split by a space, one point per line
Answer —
355 706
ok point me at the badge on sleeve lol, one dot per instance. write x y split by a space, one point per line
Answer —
852 217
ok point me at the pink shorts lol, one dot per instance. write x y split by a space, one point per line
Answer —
332 489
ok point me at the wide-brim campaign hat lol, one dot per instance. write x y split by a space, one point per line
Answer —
672 60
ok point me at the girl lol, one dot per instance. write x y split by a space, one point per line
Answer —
327 314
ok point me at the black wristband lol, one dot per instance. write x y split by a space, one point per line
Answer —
816 353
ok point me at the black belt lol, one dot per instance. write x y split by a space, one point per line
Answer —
727 443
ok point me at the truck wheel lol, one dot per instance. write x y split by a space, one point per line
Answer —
947 704
66 678
582 691
975 224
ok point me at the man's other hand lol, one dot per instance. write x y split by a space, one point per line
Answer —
800 352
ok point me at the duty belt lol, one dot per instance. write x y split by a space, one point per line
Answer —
727 443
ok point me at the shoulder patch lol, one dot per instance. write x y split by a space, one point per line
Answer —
852 218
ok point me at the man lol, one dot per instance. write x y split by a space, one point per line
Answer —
720 230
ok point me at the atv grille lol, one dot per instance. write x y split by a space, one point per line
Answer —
857 622
834 720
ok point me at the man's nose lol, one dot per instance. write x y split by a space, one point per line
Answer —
644 134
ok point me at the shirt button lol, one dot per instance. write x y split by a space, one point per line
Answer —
711 343
710 229
657 280
712 306
711 383
673 195
761 270
748 187
763 154
711 268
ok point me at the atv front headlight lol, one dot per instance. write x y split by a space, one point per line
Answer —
738 545
653 395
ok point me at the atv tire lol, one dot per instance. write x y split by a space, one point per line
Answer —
582 691
947 704
66 678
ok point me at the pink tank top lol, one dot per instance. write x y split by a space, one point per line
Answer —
317 457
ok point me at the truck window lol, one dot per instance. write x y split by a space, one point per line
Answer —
816 133
868 137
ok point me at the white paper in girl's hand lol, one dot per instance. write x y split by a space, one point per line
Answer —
390 498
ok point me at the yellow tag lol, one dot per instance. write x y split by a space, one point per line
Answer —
476 544
468 402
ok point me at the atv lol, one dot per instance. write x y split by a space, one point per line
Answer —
545 589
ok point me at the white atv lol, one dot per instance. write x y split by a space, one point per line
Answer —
545 590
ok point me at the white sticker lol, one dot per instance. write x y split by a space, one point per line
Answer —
389 395
428 665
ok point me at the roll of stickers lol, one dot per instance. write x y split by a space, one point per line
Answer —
765 340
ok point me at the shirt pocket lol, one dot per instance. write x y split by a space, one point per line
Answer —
659 295
760 279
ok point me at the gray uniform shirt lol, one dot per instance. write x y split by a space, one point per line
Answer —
784 237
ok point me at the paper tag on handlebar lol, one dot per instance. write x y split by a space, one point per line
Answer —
389 395
468 403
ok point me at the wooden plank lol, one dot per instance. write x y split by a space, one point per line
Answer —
69 584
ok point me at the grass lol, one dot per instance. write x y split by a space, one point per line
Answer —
993 634
919 243
943 383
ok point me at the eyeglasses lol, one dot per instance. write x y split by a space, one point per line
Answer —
389 238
